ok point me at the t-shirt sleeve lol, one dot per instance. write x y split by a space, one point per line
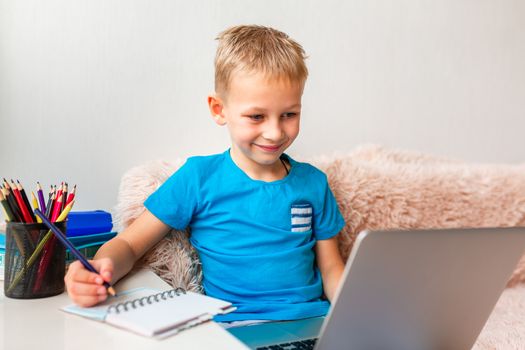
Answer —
328 220
176 200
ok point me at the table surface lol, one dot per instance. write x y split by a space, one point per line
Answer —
40 324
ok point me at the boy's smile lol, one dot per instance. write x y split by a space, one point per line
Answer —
263 117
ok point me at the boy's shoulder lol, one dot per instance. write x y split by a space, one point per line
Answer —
205 163
205 159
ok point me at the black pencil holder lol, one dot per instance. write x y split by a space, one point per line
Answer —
34 261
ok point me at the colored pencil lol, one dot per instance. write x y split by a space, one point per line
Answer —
18 207
71 195
64 196
7 208
12 202
18 240
57 209
49 206
40 195
6 184
35 206
59 191
21 204
17 216
62 238
26 200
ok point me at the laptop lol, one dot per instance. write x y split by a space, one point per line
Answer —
417 289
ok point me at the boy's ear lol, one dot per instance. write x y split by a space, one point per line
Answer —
216 106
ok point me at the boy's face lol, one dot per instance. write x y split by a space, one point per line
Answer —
262 116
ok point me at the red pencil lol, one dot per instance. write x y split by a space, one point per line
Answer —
58 209
26 200
71 195
21 204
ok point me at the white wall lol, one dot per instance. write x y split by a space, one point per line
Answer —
90 88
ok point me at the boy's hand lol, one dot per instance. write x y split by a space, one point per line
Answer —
86 288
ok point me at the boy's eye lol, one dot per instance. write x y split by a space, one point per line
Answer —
289 115
256 117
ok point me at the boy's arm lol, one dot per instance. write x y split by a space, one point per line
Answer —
113 260
330 264
131 244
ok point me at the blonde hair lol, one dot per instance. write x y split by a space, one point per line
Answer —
254 48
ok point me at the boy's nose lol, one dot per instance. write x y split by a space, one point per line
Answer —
273 132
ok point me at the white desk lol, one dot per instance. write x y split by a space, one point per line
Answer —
39 324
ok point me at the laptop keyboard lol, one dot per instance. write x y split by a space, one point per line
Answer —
307 344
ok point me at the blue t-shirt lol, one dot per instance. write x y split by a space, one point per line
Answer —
255 239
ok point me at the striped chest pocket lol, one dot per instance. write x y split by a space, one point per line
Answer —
301 214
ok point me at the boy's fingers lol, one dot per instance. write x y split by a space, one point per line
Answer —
85 276
86 290
105 268
107 276
77 272
85 287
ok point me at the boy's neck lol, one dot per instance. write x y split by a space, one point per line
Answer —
261 172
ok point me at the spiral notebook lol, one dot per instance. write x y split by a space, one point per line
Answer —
153 313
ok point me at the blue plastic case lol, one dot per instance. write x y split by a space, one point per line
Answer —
82 223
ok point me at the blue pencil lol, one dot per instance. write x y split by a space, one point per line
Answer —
62 238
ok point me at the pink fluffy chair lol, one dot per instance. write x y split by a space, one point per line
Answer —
377 188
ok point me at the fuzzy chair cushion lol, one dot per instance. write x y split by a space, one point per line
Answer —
383 189
375 188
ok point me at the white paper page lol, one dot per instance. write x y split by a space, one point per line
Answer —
158 317
99 311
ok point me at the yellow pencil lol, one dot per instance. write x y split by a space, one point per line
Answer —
35 206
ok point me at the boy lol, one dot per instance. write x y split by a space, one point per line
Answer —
264 225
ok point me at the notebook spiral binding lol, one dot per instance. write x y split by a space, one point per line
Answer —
150 299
